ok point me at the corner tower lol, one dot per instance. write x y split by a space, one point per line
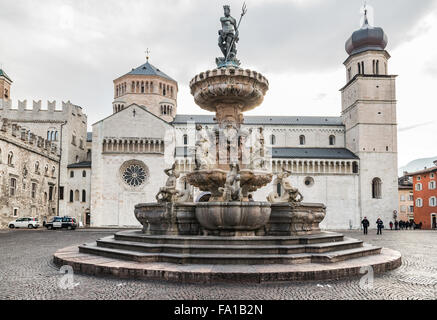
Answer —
5 86
149 87
369 115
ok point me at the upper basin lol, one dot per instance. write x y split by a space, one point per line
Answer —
229 86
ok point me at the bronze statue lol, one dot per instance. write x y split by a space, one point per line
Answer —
229 37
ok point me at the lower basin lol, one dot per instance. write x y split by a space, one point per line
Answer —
233 218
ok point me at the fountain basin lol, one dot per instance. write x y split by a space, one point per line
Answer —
233 218
221 90
212 180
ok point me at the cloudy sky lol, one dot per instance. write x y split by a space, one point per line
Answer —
73 49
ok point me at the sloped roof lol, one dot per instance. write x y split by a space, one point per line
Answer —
293 153
149 70
80 165
3 74
264 120
313 153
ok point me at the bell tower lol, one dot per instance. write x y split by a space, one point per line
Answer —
5 86
147 86
369 116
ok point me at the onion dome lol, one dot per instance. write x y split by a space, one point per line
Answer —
366 38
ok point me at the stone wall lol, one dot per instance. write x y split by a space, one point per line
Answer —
33 163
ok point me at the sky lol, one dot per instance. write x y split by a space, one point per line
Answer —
73 49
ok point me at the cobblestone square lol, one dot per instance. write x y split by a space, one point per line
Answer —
27 272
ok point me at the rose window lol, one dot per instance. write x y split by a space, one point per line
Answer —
134 175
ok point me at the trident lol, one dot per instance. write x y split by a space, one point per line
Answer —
244 11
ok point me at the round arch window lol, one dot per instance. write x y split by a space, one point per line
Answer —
309 182
134 173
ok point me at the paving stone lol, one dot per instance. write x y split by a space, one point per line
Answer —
27 272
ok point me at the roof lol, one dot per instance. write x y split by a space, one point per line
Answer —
264 120
89 137
366 38
432 169
80 165
313 153
3 74
149 70
294 153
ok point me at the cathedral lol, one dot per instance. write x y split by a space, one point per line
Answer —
348 162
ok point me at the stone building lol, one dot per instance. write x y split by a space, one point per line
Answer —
406 199
29 167
425 196
65 126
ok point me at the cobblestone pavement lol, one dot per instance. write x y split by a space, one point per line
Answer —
27 272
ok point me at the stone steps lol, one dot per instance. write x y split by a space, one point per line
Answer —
229 259
254 248
138 236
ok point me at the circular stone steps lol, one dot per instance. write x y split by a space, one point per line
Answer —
132 254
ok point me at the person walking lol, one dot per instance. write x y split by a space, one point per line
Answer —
365 224
391 225
396 225
380 226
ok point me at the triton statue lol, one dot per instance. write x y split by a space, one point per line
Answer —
228 38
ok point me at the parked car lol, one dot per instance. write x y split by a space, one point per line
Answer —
31 223
62 222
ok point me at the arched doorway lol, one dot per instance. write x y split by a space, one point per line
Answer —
87 219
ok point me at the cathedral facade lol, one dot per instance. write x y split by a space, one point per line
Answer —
348 162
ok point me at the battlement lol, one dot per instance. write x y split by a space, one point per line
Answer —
10 108
14 133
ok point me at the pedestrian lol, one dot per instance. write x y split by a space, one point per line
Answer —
365 224
380 225
396 225
391 225
251 198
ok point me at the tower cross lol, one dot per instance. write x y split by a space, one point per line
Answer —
147 54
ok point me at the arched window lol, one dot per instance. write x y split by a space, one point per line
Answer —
10 158
355 167
272 139
71 174
332 140
53 171
377 188
185 139
432 201
377 67
419 203
302 140
83 174
71 195
77 159
419 187
46 170
432 185
359 68
37 167
76 195
362 67
83 196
